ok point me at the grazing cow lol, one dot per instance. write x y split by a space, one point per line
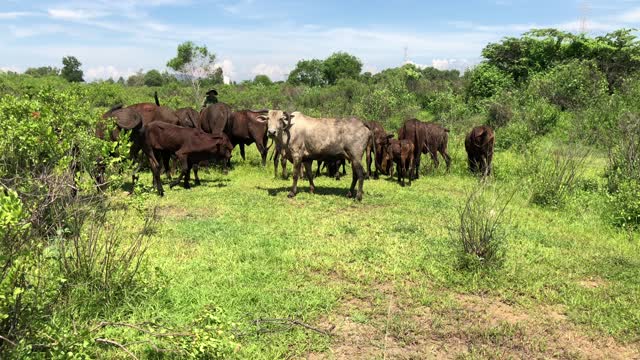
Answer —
242 127
479 145
333 168
401 152
305 139
379 140
428 138
189 145
149 113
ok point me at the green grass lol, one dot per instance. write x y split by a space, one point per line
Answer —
237 242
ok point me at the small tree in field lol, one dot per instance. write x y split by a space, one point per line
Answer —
194 63
71 69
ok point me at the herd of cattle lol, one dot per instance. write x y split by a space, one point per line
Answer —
191 137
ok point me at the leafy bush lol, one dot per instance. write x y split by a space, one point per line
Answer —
485 81
555 179
572 86
480 237
515 135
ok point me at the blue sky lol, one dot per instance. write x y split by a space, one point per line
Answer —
250 37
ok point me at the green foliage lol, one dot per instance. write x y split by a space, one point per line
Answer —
71 69
309 73
136 79
153 78
43 71
480 238
341 65
516 135
555 179
262 80
486 81
571 86
539 115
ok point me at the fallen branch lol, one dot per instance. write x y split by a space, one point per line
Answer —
293 322
114 343
7 340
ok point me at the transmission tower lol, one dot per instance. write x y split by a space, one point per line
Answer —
585 10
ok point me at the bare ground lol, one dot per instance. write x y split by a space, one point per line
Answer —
385 325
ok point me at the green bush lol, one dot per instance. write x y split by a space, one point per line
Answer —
486 81
480 237
555 179
572 86
624 205
515 135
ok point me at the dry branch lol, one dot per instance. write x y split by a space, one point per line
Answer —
115 343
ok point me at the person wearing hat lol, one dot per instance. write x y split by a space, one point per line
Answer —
211 98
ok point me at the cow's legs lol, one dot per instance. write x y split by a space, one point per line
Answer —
434 157
410 168
318 169
242 151
402 172
195 174
283 164
357 177
369 161
417 157
166 157
155 169
308 166
447 158
184 165
297 169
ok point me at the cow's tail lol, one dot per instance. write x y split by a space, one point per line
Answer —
155 96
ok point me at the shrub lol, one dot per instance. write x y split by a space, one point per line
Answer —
480 237
515 135
555 179
540 116
485 81
572 86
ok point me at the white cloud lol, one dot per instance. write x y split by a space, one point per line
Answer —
36 30
274 72
106 72
630 16
75 14
15 14
10 68
228 70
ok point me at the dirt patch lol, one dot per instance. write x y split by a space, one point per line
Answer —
592 283
485 327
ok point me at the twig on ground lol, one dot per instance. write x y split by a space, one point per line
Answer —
7 340
115 343
292 322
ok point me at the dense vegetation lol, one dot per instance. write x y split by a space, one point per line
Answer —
74 275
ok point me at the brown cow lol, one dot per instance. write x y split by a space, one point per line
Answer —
401 152
479 145
189 145
242 127
149 113
188 117
428 138
379 140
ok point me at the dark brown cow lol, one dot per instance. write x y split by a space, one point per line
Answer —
333 168
149 113
242 127
479 145
189 145
402 153
379 140
428 138
188 117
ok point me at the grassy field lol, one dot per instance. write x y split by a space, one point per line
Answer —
382 276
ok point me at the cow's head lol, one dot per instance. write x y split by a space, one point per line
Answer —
277 121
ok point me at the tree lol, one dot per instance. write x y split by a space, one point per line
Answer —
217 78
71 69
308 72
136 79
120 80
485 81
153 78
194 63
341 65
262 79
43 71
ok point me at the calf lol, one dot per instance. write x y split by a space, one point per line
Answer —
189 145
401 152
479 145
379 140
428 138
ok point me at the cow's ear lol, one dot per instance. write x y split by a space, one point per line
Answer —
262 118
128 119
